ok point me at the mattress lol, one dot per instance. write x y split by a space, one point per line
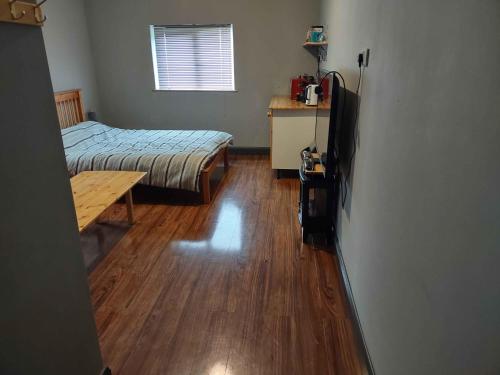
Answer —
172 158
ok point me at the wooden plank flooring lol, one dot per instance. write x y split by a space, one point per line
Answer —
225 289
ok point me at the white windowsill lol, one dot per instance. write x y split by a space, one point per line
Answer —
214 91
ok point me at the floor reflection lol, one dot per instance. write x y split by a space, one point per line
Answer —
99 239
219 369
227 235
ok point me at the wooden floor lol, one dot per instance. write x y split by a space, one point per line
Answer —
222 289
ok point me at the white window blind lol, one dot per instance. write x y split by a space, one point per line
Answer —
194 57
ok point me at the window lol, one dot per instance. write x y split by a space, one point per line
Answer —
193 58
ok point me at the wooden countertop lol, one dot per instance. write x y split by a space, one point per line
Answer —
285 103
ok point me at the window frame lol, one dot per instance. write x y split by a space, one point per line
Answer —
155 59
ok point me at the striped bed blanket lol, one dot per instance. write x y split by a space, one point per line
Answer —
171 158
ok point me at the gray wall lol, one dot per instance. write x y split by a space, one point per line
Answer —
421 231
268 51
68 49
46 320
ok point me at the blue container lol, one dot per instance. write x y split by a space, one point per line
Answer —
316 36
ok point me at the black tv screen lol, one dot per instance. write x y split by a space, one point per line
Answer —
326 131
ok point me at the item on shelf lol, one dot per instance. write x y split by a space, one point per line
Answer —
316 34
307 160
310 159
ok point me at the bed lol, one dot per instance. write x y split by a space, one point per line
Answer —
176 159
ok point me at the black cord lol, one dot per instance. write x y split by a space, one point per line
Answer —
359 81
318 72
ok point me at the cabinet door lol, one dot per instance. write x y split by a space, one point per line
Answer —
292 132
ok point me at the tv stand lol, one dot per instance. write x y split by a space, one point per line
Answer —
317 215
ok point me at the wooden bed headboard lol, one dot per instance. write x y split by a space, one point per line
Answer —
69 106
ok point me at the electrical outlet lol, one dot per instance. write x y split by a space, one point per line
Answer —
364 55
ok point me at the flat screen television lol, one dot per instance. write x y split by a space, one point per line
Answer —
326 141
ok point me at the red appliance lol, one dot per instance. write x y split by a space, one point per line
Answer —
298 85
296 88
326 88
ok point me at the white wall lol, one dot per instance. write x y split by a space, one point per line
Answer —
421 231
268 52
68 49
46 319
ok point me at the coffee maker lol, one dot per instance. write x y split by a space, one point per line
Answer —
299 86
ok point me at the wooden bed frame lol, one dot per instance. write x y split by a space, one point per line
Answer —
70 111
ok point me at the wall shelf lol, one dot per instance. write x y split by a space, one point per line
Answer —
316 44
318 49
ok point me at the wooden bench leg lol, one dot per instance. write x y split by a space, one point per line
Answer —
130 206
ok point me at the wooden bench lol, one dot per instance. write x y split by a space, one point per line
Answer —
94 192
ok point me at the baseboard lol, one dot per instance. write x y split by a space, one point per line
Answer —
354 312
250 150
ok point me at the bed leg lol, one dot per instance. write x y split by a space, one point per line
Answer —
205 187
226 159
